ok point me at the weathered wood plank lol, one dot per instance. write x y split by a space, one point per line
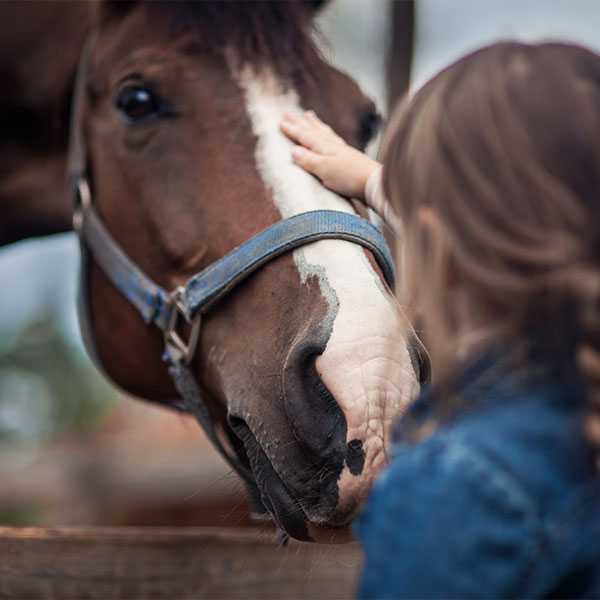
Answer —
169 563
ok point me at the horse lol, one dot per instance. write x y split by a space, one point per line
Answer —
300 369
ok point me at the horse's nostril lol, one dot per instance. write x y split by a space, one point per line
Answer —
313 413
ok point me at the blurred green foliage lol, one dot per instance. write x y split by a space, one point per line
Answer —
48 388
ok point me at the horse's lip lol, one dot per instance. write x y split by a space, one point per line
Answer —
316 533
279 501
264 503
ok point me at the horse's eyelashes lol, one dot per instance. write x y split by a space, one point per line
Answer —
138 104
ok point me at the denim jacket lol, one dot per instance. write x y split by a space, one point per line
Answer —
502 501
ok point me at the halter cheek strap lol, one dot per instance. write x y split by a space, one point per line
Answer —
188 302
157 306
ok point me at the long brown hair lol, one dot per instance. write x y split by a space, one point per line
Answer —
494 167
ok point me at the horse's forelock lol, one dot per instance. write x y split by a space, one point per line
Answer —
274 33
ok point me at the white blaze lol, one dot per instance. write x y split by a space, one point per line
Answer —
365 365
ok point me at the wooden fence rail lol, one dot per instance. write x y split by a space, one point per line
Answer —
170 563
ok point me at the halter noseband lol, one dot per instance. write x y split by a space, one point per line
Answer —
187 303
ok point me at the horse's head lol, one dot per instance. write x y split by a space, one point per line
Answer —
305 364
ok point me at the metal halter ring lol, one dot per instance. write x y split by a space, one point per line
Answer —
83 199
178 348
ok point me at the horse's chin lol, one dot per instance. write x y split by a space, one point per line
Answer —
310 531
289 516
269 494
297 524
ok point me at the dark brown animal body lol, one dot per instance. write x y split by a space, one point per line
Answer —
40 43
304 366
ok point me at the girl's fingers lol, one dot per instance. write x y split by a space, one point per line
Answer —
311 116
307 137
311 132
308 160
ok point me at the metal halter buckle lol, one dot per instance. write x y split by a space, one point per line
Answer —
83 199
178 349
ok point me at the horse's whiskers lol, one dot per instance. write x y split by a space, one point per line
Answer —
227 475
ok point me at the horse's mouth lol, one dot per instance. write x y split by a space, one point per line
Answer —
268 492
268 486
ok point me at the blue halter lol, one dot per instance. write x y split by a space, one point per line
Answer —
188 302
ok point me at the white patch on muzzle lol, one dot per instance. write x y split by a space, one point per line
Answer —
366 364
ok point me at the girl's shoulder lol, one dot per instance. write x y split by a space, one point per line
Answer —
436 520
519 421
457 504
497 487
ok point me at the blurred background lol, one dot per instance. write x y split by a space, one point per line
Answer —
75 451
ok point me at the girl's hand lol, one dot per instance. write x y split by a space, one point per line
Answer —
326 155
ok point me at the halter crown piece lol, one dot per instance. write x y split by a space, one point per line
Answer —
169 309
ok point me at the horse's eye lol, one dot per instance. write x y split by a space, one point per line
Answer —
138 104
368 126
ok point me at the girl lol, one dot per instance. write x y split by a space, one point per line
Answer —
493 171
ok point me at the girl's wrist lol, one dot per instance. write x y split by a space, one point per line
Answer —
376 200
373 184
